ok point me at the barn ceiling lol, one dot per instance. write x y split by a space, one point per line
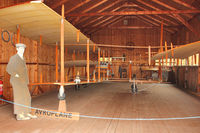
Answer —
92 15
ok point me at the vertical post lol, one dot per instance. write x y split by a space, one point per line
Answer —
18 33
166 57
61 96
172 49
88 61
62 46
149 51
66 54
103 55
77 39
40 40
199 58
73 70
94 75
177 61
130 70
161 49
56 62
99 69
93 48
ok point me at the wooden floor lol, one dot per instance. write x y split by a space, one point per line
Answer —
112 100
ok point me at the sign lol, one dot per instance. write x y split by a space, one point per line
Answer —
56 114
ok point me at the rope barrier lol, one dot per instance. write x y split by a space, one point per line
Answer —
109 118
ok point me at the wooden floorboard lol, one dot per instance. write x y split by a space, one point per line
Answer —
112 100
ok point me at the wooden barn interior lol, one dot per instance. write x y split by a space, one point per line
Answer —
137 61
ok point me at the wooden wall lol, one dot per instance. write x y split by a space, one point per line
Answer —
4 3
188 77
184 35
138 37
40 61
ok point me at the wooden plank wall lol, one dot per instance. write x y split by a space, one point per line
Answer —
40 61
4 3
187 77
184 35
139 37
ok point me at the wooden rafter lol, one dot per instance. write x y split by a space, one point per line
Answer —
148 20
184 4
169 7
187 25
135 13
160 21
107 19
111 22
94 6
99 11
140 27
115 9
155 8
77 6
58 4
90 8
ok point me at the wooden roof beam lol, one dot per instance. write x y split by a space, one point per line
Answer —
140 27
110 23
115 9
123 13
89 9
184 4
187 25
103 25
169 7
155 8
99 11
57 4
77 6
94 6
154 23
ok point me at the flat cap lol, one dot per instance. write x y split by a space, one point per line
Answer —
20 45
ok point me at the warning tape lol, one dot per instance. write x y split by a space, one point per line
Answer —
109 118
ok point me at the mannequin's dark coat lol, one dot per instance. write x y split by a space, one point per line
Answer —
17 65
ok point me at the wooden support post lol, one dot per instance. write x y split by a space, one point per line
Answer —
62 103
82 57
18 34
73 70
40 40
172 49
66 76
99 69
195 59
56 62
103 55
177 61
199 59
94 48
166 59
62 46
94 74
88 61
149 51
78 32
130 70
161 49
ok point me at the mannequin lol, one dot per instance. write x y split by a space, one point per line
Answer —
19 80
